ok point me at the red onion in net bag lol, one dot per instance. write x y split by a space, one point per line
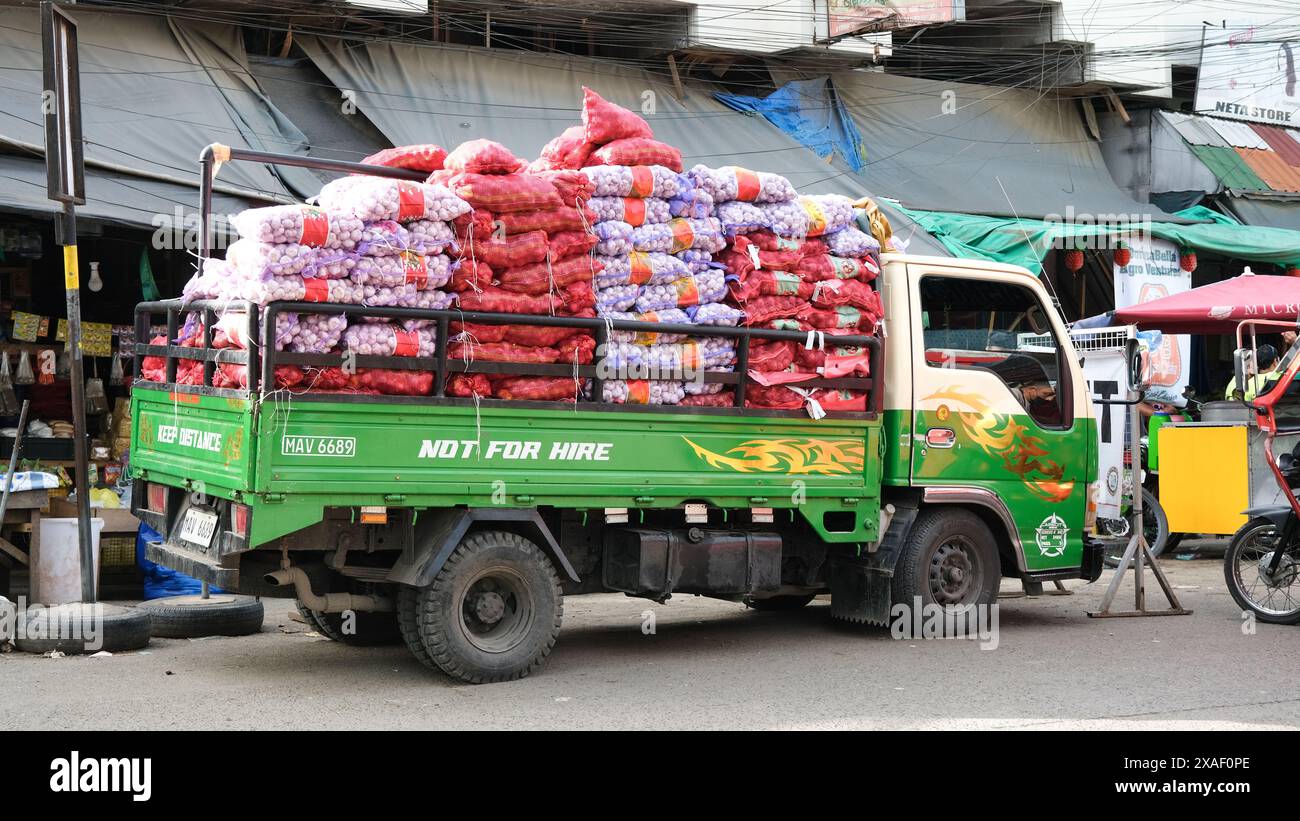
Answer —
851 241
538 388
299 289
251 258
482 157
424 272
734 183
692 289
740 217
826 266
467 351
502 193
572 186
632 210
565 244
510 252
642 392
615 238
604 121
388 340
563 218
637 151
671 316
567 151
299 225
426 157
544 277
317 333
635 181
616 298
639 268
429 236
376 198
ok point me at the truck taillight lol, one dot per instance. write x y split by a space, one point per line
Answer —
239 516
157 498
1090 513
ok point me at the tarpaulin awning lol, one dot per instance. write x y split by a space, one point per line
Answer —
987 150
810 112
1218 307
1026 242
448 94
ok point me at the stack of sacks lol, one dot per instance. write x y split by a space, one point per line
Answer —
524 249
370 241
795 263
655 239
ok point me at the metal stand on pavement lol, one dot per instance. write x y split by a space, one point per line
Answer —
1138 553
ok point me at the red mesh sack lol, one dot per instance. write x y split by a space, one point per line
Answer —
824 266
772 396
236 376
478 332
764 308
841 400
469 384
535 336
767 241
537 388
577 299
393 383
496 300
482 157
501 193
510 252
770 283
775 259
542 277
476 225
637 151
501 352
833 292
725 399
567 151
771 355
566 244
572 186
427 157
844 316
605 122
579 348
554 220
470 276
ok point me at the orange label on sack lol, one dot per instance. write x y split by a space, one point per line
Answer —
747 186
633 211
638 392
688 292
317 290
683 234
690 355
416 268
315 227
816 219
643 181
640 272
647 337
405 343
410 201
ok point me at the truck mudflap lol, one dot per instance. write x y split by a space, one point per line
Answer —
861 585
1094 552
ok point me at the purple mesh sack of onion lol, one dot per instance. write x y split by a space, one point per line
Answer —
608 209
618 270
331 264
384 239
695 204
422 300
696 260
657 237
616 298
234 324
671 316
425 272
702 388
740 217
621 355
615 238
214 283
716 313
388 339
693 289
379 198
317 333
706 234
429 236
299 225
617 181
658 392
851 242
298 289
723 184
250 258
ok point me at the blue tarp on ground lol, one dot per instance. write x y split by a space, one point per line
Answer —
810 112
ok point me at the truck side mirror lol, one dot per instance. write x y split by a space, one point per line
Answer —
1243 368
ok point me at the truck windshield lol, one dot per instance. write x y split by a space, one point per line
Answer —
995 327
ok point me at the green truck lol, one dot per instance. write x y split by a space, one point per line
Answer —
460 525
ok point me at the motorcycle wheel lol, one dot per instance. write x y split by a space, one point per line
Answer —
1155 526
1275 599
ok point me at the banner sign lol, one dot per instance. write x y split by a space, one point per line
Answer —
1153 273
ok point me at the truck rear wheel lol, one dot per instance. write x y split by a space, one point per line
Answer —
493 611
950 559
364 629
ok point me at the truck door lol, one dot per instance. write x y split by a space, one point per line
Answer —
996 415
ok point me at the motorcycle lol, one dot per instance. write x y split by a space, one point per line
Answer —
1262 562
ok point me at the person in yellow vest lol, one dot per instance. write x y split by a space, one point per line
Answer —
1266 357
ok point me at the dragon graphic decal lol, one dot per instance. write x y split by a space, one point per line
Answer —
795 456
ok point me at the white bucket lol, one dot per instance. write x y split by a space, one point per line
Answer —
58 569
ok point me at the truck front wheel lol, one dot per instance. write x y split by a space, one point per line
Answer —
493 611
950 559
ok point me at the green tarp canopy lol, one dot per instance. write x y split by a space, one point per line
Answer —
1026 242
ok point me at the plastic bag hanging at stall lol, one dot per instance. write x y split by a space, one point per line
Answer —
96 398
8 399
116 374
25 376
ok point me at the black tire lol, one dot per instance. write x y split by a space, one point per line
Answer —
1155 528
408 623
494 610
312 619
365 628
119 630
1247 584
950 559
780 604
190 617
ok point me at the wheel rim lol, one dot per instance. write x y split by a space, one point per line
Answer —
1278 595
956 575
496 611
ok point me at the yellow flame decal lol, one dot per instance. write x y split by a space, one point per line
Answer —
824 456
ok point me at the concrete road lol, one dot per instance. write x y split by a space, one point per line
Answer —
710 665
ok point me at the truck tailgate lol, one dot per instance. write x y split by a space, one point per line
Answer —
177 437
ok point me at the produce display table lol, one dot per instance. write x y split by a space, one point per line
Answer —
22 516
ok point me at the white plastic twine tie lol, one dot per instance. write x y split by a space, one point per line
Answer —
478 426
816 341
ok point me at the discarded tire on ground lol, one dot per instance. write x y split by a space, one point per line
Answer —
192 617
77 629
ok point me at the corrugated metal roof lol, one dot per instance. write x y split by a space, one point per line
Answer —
1272 169
1229 167
1238 135
1194 130
1283 142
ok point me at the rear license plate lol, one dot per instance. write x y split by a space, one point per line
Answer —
198 526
